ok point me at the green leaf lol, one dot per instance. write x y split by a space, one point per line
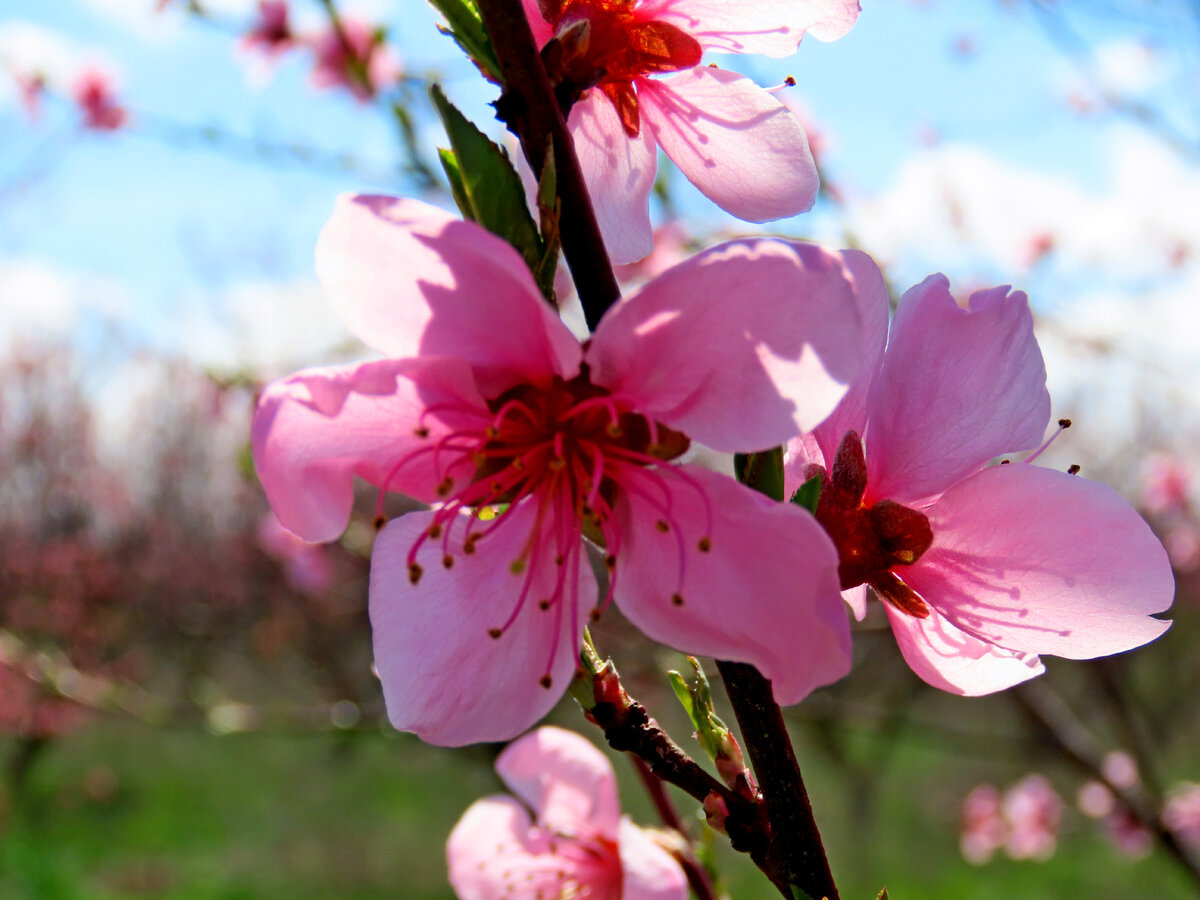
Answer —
684 693
465 25
485 185
808 494
799 893
549 208
454 176
761 471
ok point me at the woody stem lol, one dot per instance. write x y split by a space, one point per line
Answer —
529 109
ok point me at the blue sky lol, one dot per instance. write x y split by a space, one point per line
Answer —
171 224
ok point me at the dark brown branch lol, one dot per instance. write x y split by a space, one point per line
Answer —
528 107
796 850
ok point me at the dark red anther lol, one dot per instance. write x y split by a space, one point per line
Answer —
903 533
900 595
849 476
871 540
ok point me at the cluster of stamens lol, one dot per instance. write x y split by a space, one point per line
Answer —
874 538
564 450
585 869
605 44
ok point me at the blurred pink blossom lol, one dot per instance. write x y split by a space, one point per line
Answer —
737 143
477 615
1032 809
1181 813
984 829
356 58
980 567
1166 483
307 567
1121 826
271 34
95 94
670 247
575 844
31 88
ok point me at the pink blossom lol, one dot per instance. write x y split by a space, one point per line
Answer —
670 247
1032 809
980 567
486 402
1166 484
1126 832
271 34
31 88
1182 813
734 141
95 95
356 59
575 844
984 829
306 567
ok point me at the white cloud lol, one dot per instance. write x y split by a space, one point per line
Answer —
1128 66
40 302
268 328
27 49
959 208
137 16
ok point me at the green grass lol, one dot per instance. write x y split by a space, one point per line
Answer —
124 811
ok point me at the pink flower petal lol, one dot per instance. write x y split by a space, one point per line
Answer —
650 872
955 661
870 292
541 29
740 146
766 592
958 387
412 280
856 599
493 837
565 779
315 430
779 326
769 27
820 445
619 172
1043 562
443 676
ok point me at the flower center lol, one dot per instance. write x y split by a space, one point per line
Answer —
607 44
562 451
871 540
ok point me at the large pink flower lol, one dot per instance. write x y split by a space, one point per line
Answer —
576 844
738 144
980 567
487 401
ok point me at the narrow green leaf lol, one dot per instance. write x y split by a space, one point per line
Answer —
549 207
465 25
684 693
491 191
454 176
808 494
